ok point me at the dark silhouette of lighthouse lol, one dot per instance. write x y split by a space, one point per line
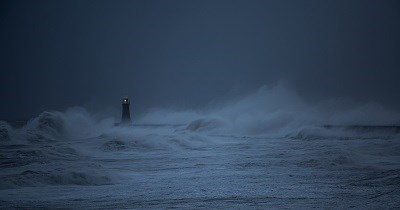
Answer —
126 116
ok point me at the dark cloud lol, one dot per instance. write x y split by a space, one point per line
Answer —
56 54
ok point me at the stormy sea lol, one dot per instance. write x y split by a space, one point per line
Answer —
265 150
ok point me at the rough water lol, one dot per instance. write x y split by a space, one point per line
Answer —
215 159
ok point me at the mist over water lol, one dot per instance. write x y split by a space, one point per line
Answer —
276 111
270 111
267 144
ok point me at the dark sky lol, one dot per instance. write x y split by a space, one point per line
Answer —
57 54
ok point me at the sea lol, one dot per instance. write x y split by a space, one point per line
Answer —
69 160
267 150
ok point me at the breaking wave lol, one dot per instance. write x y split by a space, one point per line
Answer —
65 148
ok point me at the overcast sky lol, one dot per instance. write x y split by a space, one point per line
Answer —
57 54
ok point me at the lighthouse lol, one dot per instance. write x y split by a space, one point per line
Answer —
126 116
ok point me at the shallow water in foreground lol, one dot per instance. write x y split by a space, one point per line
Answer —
173 167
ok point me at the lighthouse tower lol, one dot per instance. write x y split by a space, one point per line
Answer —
126 116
